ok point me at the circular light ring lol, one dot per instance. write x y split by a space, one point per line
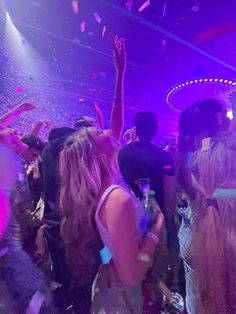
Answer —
179 86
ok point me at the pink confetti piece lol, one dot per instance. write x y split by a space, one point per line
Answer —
167 167
75 6
214 32
129 4
18 18
144 6
19 90
164 13
97 17
81 99
82 27
94 75
103 31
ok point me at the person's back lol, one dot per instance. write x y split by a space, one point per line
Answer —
143 160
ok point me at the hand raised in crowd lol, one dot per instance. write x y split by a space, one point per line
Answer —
119 55
130 136
27 106
99 115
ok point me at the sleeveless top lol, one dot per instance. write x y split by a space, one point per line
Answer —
104 233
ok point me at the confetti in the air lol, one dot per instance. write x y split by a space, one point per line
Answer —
129 4
195 8
144 6
75 6
82 27
94 75
167 167
215 32
19 90
103 30
164 12
36 4
97 17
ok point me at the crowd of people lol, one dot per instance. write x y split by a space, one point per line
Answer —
72 234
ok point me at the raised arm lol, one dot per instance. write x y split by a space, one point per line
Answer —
99 115
117 113
38 127
10 117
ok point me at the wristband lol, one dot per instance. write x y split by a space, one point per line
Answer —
144 258
153 236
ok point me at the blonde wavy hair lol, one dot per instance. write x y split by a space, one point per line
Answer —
83 170
213 246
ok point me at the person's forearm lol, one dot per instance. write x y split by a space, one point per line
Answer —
9 117
142 262
36 129
117 113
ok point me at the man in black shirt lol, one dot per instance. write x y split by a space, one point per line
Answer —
143 160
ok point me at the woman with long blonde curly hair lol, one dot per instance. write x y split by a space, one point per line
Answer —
98 208
213 247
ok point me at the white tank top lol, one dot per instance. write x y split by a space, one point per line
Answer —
104 233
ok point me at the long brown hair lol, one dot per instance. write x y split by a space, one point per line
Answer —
213 247
83 172
196 122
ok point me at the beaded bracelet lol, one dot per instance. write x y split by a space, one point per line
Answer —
153 236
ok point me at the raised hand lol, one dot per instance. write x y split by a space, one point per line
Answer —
119 55
129 136
27 106
99 115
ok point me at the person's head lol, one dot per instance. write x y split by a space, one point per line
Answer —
59 133
200 120
12 139
85 122
213 242
87 162
146 124
35 147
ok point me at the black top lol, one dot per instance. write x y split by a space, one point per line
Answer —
140 160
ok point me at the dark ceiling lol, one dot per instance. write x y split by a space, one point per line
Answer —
65 70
